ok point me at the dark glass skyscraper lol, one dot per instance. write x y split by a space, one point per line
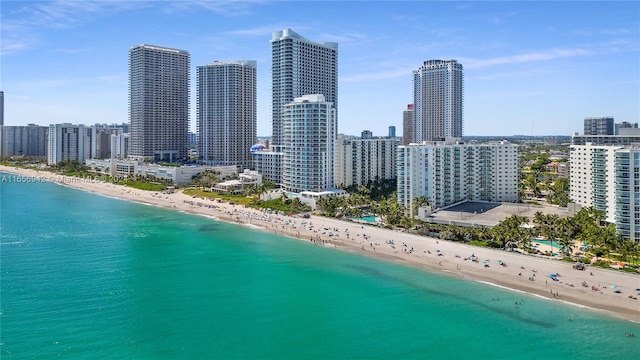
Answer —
159 103
226 110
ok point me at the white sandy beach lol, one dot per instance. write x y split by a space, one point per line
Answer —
522 272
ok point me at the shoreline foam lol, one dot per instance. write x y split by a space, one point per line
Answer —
425 253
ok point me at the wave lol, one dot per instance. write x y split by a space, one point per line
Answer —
539 296
12 243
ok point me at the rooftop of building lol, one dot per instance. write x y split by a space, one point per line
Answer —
290 34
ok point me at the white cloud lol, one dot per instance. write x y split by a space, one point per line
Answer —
525 58
20 26
265 30
230 8
343 38
499 19
380 75
73 51
65 82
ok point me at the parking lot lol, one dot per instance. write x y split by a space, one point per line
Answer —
490 214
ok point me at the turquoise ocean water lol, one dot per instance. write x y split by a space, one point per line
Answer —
89 277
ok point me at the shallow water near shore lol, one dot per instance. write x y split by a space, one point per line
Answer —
85 276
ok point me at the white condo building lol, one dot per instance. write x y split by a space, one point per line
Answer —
300 67
118 145
438 101
627 193
358 161
308 143
605 177
30 140
159 103
268 164
447 173
226 112
67 142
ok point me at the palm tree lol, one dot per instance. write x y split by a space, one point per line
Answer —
499 235
447 234
539 219
330 206
419 202
482 233
364 190
206 178
406 222
533 183
627 250
259 190
511 229
390 211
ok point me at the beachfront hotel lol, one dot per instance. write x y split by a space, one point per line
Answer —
358 161
437 101
158 103
309 131
300 67
450 172
226 113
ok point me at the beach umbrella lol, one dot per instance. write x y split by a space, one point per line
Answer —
437 250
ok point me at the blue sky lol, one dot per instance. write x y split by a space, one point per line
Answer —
532 68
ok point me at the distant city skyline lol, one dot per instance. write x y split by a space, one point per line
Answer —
531 68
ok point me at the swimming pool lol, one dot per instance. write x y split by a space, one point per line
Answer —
369 219
554 244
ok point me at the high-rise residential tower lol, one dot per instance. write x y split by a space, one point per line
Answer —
408 123
364 160
30 140
437 93
309 134
158 103
449 172
1 108
226 112
67 142
300 67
